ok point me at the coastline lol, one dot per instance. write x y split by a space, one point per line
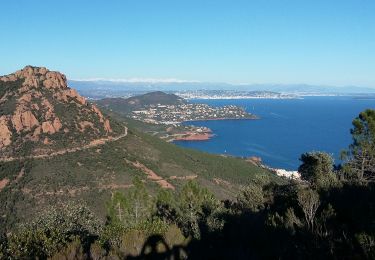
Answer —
202 136
237 97
220 119
197 134
289 174
194 137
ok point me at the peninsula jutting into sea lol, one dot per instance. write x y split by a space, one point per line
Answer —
160 108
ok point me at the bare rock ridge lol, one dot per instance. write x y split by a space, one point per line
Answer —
39 112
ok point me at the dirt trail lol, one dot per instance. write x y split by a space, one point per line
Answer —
188 177
114 186
152 175
6 181
3 183
219 181
92 144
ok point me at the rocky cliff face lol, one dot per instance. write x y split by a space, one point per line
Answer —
39 112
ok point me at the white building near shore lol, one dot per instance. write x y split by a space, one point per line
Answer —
294 175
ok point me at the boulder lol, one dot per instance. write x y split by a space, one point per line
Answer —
24 121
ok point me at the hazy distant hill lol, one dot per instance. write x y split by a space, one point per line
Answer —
141 101
304 88
100 88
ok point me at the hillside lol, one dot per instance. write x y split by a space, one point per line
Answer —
92 175
141 101
121 192
65 149
39 113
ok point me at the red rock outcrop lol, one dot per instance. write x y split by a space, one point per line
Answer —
55 80
24 120
85 124
191 136
50 127
107 126
25 98
57 124
5 134
40 104
3 183
49 110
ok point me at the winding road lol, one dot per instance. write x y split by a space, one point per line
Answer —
92 144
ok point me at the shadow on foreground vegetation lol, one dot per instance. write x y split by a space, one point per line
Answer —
327 215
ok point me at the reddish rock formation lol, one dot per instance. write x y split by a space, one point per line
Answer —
31 81
70 93
74 94
57 124
5 134
25 98
46 141
24 121
107 126
49 110
49 127
97 111
55 80
37 131
194 137
3 183
42 104
85 124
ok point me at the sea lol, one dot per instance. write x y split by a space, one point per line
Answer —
286 128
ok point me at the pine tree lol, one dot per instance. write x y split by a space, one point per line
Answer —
362 150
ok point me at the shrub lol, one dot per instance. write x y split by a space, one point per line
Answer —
251 198
53 229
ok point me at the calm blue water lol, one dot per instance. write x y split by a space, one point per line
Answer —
287 128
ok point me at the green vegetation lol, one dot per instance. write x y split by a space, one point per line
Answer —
169 109
30 109
92 175
8 88
164 132
289 221
326 215
124 106
101 203
132 209
361 154
317 168
53 229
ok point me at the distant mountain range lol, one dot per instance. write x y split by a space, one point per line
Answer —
111 88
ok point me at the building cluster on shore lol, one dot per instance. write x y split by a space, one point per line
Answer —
233 94
175 114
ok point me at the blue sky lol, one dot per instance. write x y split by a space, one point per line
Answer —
315 42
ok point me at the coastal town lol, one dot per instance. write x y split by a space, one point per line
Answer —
176 114
167 115
234 94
